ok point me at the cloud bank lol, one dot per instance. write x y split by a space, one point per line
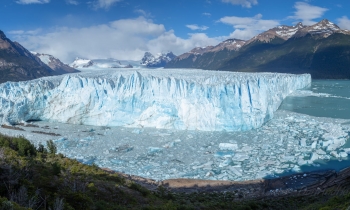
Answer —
125 39
306 13
196 27
344 22
247 27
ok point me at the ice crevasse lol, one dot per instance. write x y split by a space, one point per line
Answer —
170 99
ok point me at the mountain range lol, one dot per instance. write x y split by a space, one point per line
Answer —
322 49
18 64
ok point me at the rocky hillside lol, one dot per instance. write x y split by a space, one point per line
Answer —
18 64
159 60
322 49
55 64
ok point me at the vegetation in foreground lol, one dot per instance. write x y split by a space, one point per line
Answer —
38 178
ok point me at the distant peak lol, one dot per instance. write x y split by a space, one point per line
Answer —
148 54
299 24
233 40
2 35
325 21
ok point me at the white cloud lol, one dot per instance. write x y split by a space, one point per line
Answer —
169 40
73 2
196 27
21 32
344 22
306 13
243 3
206 14
121 39
247 27
32 1
105 4
143 13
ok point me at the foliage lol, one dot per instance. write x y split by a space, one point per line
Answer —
34 178
51 147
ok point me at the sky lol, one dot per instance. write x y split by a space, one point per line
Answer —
126 29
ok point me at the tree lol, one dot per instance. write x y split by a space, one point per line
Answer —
51 147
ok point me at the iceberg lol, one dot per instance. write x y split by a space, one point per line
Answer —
182 99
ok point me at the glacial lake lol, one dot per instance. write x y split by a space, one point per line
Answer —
310 131
324 98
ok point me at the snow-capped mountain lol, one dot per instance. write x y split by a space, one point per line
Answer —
229 44
284 32
321 49
54 63
322 29
160 60
81 63
18 64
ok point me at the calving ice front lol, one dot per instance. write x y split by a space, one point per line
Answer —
171 99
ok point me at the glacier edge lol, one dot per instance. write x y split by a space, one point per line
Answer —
175 99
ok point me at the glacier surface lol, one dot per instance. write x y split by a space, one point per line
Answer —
171 99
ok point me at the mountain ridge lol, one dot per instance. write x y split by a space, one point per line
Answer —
18 64
322 49
55 64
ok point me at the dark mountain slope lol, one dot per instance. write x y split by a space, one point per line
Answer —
322 58
18 64
323 50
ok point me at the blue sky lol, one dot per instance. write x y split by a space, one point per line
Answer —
125 29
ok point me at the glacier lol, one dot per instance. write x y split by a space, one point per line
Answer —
182 99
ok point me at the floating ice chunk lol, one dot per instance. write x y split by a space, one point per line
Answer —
296 168
228 146
210 173
287 158
237 170
226 162
124 148
225 154
314 157
239 157
333 147
343 154
205 166
137 131
154 150
313 145
303 142
60 139
320 152
347 150
169 145
327 143
334 154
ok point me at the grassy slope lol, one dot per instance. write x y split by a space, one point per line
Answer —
39 179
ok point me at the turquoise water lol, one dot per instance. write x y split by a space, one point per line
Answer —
329 98
324 98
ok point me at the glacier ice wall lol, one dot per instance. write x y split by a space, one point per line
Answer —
171 99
